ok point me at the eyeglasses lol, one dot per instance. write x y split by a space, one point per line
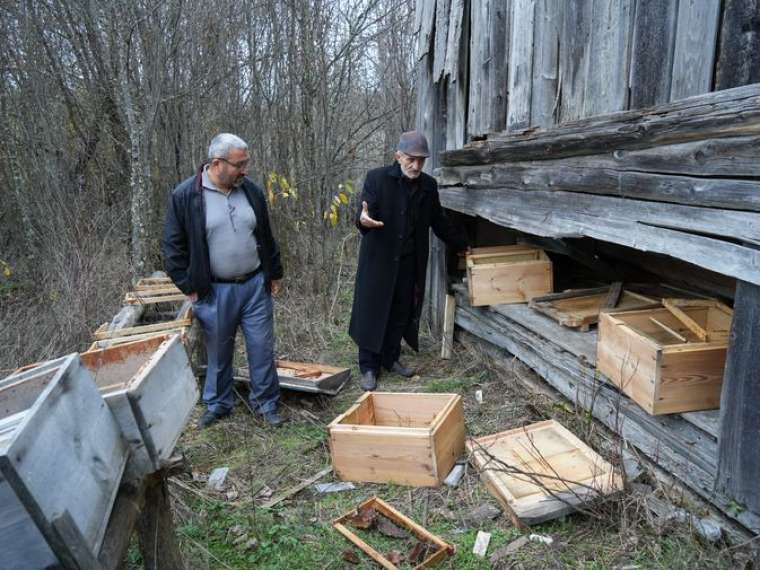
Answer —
238 165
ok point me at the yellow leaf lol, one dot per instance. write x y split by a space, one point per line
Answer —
270 194
336 200
334 218
284 184
343 198
285 194
350 187
7 272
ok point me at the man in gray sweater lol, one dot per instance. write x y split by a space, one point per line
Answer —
219 250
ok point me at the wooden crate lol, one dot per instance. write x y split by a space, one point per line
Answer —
655 357
580 308
407 439
373 507
508 274
62 456
150 387
541 471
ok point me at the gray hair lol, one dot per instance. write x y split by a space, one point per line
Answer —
223 143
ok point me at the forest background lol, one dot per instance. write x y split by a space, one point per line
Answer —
107 105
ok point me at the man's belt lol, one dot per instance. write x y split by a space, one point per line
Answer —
239 278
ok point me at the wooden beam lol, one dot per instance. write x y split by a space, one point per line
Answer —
677 231
155 528
654 32
719 114
739 459
663 174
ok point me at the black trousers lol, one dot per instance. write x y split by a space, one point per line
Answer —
401 314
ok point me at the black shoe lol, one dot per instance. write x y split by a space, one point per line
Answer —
369 381
273 418
401 370
209 418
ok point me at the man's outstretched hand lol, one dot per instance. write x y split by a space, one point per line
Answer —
366 221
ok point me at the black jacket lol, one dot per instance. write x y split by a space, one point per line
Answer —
184 245
380 251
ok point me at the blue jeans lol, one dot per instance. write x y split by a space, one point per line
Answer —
248 305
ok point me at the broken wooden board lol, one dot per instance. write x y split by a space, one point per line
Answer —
102 333
447 338
402 438
508 274
580 308
62 456
152 297
138 380
541 471
443 549
659 361
306 377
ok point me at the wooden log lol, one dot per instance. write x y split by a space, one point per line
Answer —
738 59
654 31
641 225
739 462
694 51
720 114
606 178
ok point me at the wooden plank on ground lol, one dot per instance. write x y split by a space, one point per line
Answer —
447 340
694 52
295 489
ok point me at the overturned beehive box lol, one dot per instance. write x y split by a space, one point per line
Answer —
508 274
407 439
541 471
670 359
150 387
62 456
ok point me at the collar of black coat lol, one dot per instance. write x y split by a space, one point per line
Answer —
395 170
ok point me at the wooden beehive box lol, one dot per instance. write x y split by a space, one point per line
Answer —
407 439
508 274
661 360
541 471
150 387
62 456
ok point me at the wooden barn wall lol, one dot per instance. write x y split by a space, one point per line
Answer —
509 65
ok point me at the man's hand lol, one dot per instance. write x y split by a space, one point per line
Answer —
366 221
193 297
276 287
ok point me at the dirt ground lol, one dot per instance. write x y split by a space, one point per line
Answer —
229 529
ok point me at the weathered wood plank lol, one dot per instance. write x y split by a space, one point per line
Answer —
738 60
720 114
547 25
499 53
652 52
441 36
739 463
608 57
604 175
694 52
478 67
640 225
455 72
574 59
424 17
520 64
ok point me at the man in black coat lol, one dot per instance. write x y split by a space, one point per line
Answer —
399 205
